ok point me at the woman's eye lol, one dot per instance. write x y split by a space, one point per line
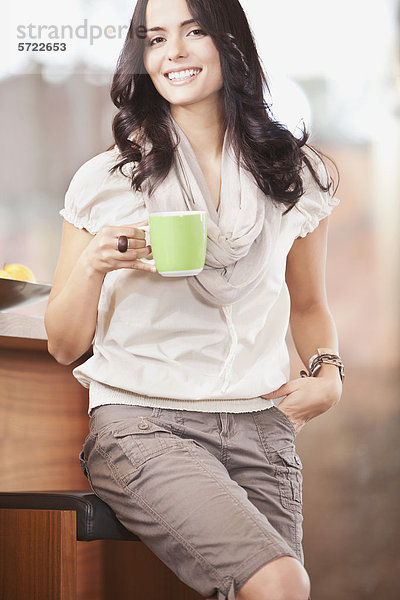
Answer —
198 31
151 43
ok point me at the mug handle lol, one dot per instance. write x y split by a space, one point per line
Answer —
146 229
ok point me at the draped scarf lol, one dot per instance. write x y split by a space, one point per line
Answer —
241 234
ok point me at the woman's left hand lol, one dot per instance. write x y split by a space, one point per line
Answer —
306 398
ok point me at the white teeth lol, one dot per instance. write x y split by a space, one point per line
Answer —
183 74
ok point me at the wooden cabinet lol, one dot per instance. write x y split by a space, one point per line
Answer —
43 424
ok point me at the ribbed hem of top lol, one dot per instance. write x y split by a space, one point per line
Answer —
101 394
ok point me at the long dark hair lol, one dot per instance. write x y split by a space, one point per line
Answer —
272 154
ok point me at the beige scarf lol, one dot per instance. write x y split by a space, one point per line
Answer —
241 235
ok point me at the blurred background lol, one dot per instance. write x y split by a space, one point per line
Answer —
334 65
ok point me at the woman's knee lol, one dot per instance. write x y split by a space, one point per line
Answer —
284 578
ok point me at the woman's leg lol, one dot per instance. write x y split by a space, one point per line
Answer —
165 485
261 457
281 579
263 460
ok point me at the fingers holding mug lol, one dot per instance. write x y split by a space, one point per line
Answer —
132 249
117 247
148 260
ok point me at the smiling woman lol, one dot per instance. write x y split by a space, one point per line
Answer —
181 59
187 443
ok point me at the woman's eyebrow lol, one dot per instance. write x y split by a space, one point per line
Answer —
181 25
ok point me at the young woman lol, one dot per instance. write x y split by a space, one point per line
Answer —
187 443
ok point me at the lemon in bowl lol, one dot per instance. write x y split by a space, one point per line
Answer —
19 272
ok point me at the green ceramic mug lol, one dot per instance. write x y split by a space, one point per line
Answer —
178 241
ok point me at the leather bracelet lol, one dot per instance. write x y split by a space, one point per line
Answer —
328 358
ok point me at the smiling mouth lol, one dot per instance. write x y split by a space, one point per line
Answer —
184 75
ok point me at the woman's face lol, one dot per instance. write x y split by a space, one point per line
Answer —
182 49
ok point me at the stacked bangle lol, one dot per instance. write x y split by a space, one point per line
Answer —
324 355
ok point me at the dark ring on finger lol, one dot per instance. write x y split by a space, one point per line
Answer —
122 243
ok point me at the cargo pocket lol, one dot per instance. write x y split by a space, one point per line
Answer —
290 478
141 439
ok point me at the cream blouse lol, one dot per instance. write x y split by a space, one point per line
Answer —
157 343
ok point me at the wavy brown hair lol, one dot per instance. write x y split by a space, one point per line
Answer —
268 150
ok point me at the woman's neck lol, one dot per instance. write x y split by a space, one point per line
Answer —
204 129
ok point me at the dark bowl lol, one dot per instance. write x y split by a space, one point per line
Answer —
15 293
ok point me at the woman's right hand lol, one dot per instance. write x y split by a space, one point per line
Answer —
102 255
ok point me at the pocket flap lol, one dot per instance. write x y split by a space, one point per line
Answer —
138 425
290 456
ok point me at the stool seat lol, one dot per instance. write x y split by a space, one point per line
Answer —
94 518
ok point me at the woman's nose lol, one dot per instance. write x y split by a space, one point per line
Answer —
176 48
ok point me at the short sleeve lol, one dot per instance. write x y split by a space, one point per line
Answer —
96 198
315 204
